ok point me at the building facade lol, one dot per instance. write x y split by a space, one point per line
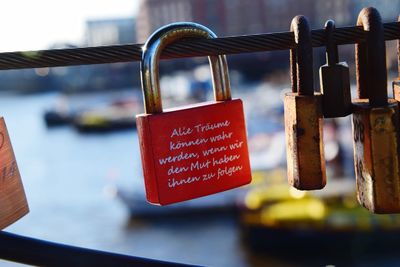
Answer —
110 31
236 17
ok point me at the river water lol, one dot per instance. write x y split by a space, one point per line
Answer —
70 178
70 181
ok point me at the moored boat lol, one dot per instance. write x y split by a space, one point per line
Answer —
279 218
225 202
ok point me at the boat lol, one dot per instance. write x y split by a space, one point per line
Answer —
95 112
224 202
55 118
67 107
62 113
119 114
277 218
105 119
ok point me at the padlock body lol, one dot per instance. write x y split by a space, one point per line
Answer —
13 204
193 151
335 89
376 156
304 141
396 89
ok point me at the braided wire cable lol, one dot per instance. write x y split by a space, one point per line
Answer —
184 48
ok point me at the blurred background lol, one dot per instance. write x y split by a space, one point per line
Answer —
73 133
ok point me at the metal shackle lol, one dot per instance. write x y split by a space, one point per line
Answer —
371 59
152 50
398 52
301 57
332 54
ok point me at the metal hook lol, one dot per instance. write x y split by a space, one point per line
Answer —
332 54
301 57
371 59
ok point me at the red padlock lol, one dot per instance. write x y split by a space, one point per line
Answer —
195 150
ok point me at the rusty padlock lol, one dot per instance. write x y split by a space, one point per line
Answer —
335 80
196 150
13 204
375 123
303 116
396 82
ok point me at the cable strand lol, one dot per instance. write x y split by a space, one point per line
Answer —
184 48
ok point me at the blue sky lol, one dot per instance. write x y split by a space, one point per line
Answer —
35 24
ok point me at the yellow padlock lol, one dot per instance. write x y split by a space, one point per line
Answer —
13 204
303 116
375 123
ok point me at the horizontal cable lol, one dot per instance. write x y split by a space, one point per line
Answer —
43 253
183 48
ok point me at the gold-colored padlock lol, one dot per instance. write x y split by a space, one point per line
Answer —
375 123
303 116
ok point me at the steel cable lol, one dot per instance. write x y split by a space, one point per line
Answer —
43 253
184 48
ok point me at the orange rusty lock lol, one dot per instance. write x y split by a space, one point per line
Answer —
375 123
303 116
13 204
195 150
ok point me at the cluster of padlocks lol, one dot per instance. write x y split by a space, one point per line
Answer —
375 117
176 167
201 149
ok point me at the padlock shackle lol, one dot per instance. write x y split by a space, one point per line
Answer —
332 54
398 52
371 59
301 57
152 50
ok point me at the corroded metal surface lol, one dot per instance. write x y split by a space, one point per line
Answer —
304 136
303 116
375 123
376 156
303 73
396 89
371 59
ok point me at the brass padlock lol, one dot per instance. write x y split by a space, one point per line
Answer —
13 204
303 116
375 123
335 80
